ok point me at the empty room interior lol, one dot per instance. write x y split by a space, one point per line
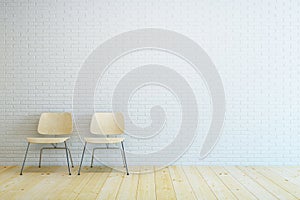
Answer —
162 99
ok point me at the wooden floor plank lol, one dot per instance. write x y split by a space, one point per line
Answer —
146 187
259 191
290 187
217 186
8 175
47 182
174 182
235 187
289 175
163 184
4 168
21 185
11 177
181 185
111 186
128 188
73 186
266 183
198 183
95 184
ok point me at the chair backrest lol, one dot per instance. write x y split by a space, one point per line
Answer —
55 123
107 123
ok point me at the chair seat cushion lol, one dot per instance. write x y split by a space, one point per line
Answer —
103 140
47 140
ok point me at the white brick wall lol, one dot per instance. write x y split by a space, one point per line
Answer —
254 45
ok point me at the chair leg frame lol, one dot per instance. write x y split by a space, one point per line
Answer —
67 157
124 158
92 157
21 173
82 158
93 153
41 152
122 154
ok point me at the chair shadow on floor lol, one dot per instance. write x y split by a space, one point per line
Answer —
62 169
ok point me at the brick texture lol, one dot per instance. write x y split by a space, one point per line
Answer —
254 45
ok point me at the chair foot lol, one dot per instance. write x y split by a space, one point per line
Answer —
127 173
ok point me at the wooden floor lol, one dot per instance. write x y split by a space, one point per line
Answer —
174 182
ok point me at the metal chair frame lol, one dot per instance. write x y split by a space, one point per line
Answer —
93 153
67 156
121 145
52 124
54 148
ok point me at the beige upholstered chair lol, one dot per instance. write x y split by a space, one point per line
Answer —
106 124
52 124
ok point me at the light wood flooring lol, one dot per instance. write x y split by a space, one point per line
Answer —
174 182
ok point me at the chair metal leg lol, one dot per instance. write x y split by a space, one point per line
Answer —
71 157
92 161
21 173
41 152
93 153
124 158
40 161
67 157
81 159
